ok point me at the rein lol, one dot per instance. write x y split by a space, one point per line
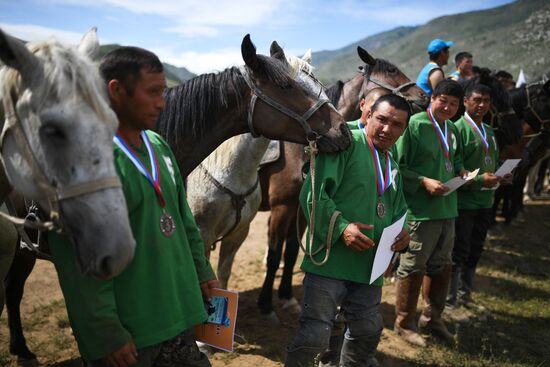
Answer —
54 195
302 119
238 201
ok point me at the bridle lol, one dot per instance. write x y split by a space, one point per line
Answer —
256 93
499 115
529 107
394 90
54 194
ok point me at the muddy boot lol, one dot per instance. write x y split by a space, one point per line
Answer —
407 291
434 292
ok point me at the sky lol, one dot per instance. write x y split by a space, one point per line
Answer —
205 35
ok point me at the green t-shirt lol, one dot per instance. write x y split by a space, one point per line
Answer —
158 295
470 196
420 154
346 182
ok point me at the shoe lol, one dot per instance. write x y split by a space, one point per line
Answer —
456 314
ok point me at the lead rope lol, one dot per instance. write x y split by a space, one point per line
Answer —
312 151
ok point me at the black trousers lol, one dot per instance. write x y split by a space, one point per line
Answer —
471 230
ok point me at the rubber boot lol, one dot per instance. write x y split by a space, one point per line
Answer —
359 352
434 292
407 291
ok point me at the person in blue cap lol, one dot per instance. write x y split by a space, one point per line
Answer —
432 73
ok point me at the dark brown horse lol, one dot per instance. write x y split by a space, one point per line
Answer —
282 180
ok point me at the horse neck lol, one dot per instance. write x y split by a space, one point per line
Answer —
236 161
348 105
518 100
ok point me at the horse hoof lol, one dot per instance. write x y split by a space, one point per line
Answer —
271 318
292 305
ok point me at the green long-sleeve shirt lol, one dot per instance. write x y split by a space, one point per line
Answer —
471 196
158 295
419 154
347 182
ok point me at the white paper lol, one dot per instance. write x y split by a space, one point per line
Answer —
507 167
455 182
383 252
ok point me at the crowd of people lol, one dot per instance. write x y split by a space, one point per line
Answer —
397 164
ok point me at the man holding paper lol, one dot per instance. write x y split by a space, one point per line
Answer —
479 150
358 193
428 155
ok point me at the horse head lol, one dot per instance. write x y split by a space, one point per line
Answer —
282 109
56 147
382 77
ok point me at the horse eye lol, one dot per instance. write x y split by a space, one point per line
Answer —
392 70
52 130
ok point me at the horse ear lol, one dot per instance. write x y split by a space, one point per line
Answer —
16 55
277 51
365 56
89 45
248 51
307 56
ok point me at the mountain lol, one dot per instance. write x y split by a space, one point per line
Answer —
174 74
509 37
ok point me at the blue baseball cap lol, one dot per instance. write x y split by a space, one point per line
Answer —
438 44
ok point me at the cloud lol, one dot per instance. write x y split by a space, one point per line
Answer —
31 32
201 62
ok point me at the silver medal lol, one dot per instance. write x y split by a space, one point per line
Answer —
380 209
488 160
167 224
448 166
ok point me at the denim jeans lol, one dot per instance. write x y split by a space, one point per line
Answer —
322 296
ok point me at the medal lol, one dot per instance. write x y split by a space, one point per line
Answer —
482 136
382 181
167 223
380 209
443 139
448 166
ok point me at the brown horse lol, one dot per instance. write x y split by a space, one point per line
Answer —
282 180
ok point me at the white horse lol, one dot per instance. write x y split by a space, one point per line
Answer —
56 147
223 192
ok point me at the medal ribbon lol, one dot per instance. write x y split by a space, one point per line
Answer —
483 136
382 183
154 176
443 138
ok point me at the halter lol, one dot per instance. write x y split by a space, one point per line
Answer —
302 119
496 115
54 195
395 90
529 107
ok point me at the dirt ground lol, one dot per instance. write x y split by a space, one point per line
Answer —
259 343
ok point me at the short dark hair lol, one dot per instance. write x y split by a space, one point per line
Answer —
125 64
448 87
461 56
395 101
435 55
476 69
477 88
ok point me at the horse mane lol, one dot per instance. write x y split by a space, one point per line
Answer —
193 107
297 64
65 74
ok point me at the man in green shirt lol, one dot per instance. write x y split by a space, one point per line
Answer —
358 193
475 200
428 155
145 315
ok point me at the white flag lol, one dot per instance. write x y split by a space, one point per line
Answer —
521 79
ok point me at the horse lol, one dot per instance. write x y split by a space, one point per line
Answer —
282 180
259 98
56 147
223 191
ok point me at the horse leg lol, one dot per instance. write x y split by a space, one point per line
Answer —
228 249
292 248
22 265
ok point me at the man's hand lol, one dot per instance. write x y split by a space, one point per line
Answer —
207 286
355 239
401 241
507 179
490 180
125 356
434 187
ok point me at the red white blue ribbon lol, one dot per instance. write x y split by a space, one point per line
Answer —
482 136
382 181
443 138
154 176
